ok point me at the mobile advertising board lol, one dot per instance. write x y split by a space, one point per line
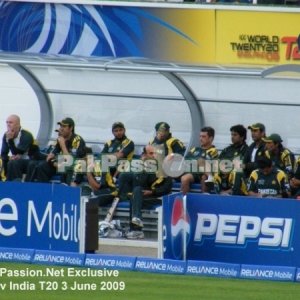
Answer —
40 216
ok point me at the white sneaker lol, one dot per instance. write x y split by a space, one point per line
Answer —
135 235
137 221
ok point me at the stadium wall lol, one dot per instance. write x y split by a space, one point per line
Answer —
223 236
106 262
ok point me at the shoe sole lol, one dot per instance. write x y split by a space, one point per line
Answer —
135 237
137 224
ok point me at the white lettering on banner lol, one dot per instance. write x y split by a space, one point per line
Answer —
22 256
236 229
49 258
8 216
228 272
283 275
107 262
124 264
14 256
209 270
73 260
174 268
151 265
222 271
203 270
164 236
206 225
250 227
226 226
257 273
6 255
60 225
31 211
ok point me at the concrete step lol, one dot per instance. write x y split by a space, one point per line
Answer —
122 246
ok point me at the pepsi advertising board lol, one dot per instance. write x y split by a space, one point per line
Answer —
232 229
39 216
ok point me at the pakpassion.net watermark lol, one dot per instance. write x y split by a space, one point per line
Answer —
173 165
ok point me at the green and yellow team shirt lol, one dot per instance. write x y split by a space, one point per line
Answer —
104 179
169 146
234 181
284 161
198 152
125 145
273 184
201 160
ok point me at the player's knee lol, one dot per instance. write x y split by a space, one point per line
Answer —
186 179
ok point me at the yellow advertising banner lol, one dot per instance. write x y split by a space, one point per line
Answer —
257 37
191 40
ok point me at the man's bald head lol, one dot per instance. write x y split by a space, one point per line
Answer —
149 151
13 124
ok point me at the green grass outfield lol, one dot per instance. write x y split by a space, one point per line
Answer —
138 285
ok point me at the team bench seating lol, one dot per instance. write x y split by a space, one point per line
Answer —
195 187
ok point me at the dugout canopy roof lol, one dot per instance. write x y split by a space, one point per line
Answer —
96 92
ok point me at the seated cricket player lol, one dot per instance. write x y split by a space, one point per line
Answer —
143 189
268 181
